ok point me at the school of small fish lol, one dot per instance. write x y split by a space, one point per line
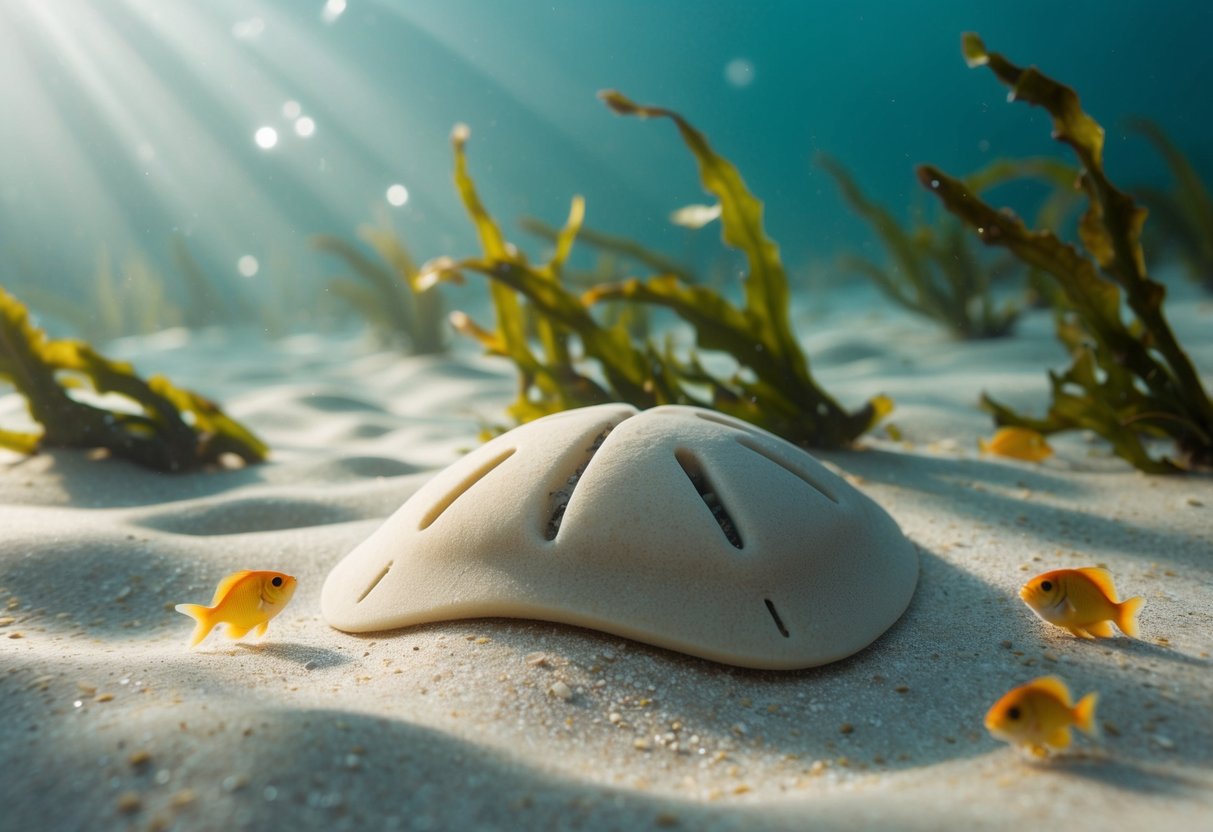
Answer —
244 601
1038 715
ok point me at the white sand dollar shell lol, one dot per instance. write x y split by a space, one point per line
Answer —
683 528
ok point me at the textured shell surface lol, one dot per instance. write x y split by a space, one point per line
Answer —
676 526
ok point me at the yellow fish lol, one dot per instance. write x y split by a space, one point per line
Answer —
1018 443
243 601
1039 715
1081 600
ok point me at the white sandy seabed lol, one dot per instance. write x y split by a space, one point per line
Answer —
107 721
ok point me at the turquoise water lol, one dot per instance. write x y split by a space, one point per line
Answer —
244 128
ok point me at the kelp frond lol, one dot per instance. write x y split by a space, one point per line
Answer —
166 428
772 386
387 293
549 380
1128 381
934 273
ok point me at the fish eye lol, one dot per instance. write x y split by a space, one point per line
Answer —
1013 713
277 581
1046 585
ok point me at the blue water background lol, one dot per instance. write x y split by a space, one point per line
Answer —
126 122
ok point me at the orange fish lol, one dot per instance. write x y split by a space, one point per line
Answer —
1081 600
1039 715
1017 443
243 601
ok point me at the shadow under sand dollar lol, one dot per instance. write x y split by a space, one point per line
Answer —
317 769
990 490
836 712
245 765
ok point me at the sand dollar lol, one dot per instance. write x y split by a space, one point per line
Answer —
676 526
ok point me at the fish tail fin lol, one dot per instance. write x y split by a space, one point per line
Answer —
1126 615
200 614
1084 714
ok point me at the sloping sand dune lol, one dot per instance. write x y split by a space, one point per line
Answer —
108 721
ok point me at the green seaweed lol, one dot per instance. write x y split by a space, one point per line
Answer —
775 388
163 427
1128 382
934 272
1184 215
1056 210
771 387
549 380
388 294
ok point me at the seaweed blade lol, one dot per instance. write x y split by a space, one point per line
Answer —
175 430
1125 381
784 397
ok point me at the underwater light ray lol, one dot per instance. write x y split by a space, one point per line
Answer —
57 170
340 93
510 60
126 128
321 166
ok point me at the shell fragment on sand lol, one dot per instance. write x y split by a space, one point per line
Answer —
676 526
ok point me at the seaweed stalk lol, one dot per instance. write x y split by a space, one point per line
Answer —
1126 380
171 430
782 394
388 295
772 388
934 273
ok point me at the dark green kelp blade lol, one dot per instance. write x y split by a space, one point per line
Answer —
173 429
